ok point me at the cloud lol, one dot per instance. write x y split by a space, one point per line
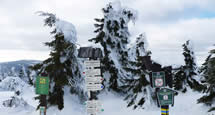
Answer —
167 23
166 40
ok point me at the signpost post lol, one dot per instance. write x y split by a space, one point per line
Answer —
165 96
42 88
93 81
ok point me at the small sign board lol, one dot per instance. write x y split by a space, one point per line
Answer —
92 72
93 104
93 80
158 79
92 63
92 68
94 107
42 85
165 96
94 87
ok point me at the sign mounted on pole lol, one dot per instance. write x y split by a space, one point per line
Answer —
165 97
92 63
94 107
93 80
42 85
158 79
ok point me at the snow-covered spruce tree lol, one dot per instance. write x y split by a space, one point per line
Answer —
179 79
113 35
62 66
187 75
137 85
209 79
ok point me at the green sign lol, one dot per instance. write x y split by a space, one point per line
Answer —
158 79
42 85
165 97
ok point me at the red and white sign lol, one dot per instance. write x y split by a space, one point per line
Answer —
159 82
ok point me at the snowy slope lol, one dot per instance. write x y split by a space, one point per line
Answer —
13 68
113 105
185 104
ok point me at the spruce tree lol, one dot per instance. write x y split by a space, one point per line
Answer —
179 79
187 74
208 71
137 85
113 35
62 66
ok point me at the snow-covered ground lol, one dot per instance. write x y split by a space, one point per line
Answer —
185 104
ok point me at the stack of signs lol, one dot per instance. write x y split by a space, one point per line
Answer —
93 107
42 85
93 81
93 75
165 97
158 79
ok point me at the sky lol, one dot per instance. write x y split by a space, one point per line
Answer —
167 24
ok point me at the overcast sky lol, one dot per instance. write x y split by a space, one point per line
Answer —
167 24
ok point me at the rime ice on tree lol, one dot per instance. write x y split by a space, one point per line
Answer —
113 35
62 67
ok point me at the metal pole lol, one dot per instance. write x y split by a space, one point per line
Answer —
43 105
43 102
93 95
165 110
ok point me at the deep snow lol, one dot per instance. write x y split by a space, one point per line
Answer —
185 104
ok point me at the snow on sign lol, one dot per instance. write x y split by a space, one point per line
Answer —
42 85
158 79
165 97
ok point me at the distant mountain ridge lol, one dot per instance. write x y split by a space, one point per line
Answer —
17 69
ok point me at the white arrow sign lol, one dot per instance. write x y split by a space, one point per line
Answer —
92 63
93 80
94 87
93 107
92 72
93 104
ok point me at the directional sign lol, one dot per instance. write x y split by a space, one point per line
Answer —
42 85
94 107
92 68
92 63
158 79
94 87
165 97
92 72
93 80
93 104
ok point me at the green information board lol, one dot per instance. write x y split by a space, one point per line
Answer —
165 97
42 85
158 79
